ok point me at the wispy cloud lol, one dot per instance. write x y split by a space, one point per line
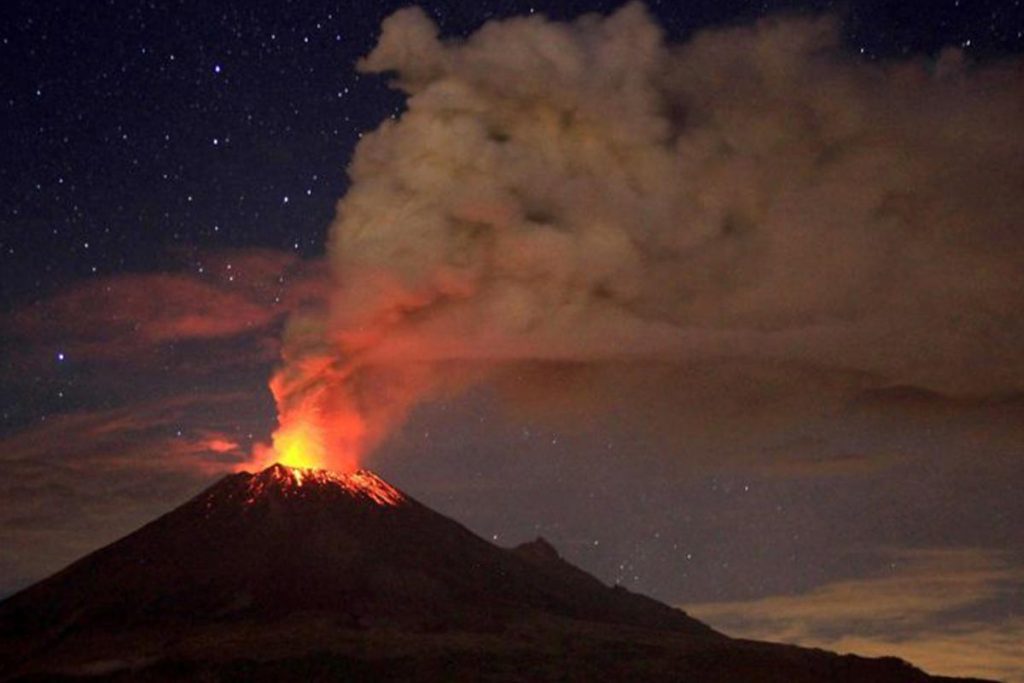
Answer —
122 316
118 437
925 608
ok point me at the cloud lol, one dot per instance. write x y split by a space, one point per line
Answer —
143 436
925 608
124 317
980 650
588 194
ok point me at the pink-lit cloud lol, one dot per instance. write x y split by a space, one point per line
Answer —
119 317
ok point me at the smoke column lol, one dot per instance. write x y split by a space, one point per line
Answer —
588 193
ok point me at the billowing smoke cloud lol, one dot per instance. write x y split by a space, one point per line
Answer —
587 193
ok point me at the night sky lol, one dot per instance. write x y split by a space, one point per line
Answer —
169 174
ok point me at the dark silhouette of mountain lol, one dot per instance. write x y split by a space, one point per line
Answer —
293 574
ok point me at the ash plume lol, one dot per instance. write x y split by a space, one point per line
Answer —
592 195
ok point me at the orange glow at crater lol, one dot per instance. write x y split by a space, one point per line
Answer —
319 426
293 481
300 445
312 441
332 412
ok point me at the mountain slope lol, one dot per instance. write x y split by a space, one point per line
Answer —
288 540
295 574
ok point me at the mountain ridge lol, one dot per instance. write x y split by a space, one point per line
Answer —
365 578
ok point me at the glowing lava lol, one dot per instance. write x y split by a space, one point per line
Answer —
294 481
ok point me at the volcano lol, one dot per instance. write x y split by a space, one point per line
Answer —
302 574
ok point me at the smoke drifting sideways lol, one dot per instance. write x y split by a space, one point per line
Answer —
587 195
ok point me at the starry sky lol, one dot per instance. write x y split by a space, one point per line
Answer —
169 174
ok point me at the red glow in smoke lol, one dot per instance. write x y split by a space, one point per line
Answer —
319 425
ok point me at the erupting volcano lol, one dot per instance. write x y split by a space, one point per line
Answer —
301 573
